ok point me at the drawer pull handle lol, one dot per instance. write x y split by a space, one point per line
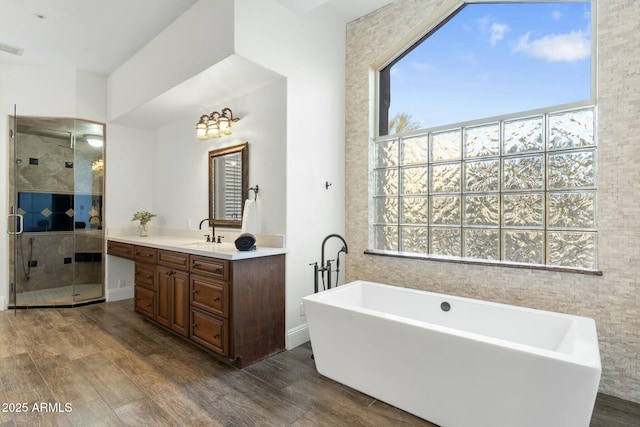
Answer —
149 305
149 277
218 271
216 336
195 291
196 264
216 299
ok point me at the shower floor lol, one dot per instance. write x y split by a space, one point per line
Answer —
63 295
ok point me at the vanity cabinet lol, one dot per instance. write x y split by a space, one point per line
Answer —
237 307
233 308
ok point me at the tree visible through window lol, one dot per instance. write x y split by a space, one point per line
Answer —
519 187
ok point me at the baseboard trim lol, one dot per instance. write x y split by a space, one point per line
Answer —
119 294
297 336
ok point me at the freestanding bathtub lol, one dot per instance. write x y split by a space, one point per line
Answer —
455 361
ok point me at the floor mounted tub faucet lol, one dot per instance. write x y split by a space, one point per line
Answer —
326 267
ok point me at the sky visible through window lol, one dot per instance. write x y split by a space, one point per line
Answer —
496 59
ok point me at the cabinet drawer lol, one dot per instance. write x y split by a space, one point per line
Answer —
210 331
145 302
210 295
214 267
145 274
177 260
123 250
145 254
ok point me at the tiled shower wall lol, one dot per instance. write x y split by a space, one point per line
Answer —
613 299
59 258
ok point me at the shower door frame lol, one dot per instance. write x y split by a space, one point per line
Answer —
13 228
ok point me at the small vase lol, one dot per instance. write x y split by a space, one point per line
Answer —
143 229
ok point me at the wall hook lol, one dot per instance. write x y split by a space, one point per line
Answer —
255 190
327 184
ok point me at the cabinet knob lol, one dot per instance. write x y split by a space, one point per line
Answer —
216 336
216 299
195 291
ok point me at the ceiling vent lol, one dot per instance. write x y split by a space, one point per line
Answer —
11 49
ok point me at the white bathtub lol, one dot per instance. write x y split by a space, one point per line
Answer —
478 364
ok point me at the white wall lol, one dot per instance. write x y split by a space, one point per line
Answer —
310 51
181 173
48 92
129 174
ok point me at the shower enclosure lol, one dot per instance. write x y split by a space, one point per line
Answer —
56 169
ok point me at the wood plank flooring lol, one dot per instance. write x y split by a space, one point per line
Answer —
110 367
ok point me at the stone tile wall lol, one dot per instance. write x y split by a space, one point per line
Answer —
613 300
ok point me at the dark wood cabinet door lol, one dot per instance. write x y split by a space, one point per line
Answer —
163 283
210 295
145 302
145 275
122 250
210 331
180 302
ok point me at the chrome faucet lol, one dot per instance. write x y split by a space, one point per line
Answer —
326 267
212 224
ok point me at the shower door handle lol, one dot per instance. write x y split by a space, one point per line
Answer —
11 217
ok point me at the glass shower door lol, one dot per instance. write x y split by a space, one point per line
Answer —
56 259
88 231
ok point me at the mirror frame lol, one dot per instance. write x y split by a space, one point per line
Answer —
243 149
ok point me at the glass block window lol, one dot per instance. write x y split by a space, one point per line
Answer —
515 190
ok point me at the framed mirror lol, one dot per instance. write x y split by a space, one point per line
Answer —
228 184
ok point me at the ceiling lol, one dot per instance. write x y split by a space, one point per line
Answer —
99 36
91 35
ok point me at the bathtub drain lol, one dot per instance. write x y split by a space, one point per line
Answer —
445 306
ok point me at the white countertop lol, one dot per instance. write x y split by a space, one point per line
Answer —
196 246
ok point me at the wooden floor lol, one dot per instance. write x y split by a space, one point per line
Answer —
103 365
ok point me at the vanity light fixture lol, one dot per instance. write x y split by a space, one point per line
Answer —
97 165
215 125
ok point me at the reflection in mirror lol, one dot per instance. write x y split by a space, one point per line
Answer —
228 180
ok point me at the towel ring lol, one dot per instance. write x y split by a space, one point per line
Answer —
255 190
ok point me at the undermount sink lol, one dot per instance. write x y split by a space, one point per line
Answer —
214 247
